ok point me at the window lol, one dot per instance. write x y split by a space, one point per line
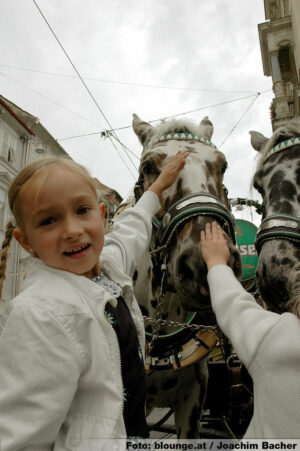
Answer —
11 155
8 146
287 64
284 59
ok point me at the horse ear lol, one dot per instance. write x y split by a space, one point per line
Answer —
142 129
258 141
206 128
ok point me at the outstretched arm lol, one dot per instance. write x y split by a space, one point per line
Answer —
242 320
131 234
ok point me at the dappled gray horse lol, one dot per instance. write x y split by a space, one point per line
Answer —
170 281
277 179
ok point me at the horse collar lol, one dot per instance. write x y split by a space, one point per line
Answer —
197 347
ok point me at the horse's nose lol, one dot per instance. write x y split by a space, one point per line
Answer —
191 270
191 281
184 266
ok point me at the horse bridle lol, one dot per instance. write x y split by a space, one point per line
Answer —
279 226
198 204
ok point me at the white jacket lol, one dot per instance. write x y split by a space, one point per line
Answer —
269 346
60 369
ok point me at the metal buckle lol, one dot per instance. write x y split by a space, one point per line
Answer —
233 362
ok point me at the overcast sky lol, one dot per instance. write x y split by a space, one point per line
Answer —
151 57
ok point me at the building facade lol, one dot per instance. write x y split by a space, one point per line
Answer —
280 49
22 139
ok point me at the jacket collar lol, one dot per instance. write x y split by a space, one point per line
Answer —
82 283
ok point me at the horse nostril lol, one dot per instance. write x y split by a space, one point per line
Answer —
184 270
188 268
179 278
204 291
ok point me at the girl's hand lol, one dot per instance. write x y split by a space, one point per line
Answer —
170 173
214 246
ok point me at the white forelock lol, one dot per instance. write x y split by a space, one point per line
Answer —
170 126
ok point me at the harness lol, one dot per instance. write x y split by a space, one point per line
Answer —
279 226
188 207
189 342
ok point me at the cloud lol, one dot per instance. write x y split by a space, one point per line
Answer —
207 44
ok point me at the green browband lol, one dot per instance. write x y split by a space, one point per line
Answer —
180 137
282 146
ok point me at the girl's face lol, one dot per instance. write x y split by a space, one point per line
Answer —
63 224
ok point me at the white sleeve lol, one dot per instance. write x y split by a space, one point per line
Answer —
239 316
131 234
39 372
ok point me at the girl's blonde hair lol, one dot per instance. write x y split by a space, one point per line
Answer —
41 166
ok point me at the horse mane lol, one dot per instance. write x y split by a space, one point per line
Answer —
287 131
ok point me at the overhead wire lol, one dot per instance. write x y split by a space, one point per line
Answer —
110 133
142 85
103 131
164 118
127 148
243 115
48 98
89 92
204 108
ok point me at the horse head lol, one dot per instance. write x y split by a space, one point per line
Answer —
197 197
277 179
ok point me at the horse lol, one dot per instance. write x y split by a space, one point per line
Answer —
277 179
170 282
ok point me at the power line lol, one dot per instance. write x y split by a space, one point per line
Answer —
103 134
47 98
127 148
167 117
80 136
243 115
88 90
142 85
204 108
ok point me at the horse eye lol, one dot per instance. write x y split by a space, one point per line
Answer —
223 168
148 169
258 187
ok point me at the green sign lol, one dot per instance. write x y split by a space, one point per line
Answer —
245 236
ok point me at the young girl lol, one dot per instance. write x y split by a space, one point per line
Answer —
71 343
267 343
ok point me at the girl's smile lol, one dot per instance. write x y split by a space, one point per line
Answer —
63 222
78 251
